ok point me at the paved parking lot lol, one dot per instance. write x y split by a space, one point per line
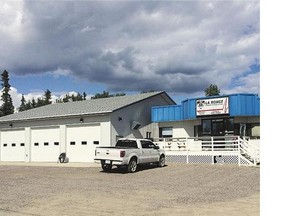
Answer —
176 189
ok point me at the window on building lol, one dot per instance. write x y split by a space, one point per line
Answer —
72 143
5 144
36 144
96 142
148 135
229 126
165 132
13 144
46 143
22 144
218 127
84 143
206 127
56 143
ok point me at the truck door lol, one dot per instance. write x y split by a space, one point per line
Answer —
149 153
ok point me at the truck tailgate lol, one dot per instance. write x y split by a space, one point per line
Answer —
108 154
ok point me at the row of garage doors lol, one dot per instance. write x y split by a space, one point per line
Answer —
45 144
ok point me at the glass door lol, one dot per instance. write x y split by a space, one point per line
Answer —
218 127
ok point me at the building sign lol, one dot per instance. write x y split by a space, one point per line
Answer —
213 106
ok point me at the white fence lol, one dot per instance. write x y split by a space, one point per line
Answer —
224 149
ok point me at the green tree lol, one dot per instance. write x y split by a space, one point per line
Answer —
42 101
72 97
23 104
28 105
106 94
119 94
47 97
7 107
102 95
33 103
143 92
211 90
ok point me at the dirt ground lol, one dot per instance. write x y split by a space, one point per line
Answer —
176 189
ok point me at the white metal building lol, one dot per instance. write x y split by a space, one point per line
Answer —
76 128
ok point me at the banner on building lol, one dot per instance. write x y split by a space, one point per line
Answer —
213 106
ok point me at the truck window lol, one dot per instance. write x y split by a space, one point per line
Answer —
147 144
126 144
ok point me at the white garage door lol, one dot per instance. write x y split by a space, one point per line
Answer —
13 145
45 144
81 142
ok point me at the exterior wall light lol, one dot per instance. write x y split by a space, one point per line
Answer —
81 119
11 125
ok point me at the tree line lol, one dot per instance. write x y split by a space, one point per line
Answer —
8 108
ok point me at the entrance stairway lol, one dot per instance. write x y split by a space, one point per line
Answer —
248 152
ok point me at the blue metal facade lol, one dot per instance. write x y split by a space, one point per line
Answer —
239 105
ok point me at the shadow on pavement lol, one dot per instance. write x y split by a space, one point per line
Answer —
123 170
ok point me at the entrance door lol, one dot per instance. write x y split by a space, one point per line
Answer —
217 127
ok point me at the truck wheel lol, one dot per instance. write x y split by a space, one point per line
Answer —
106 167
161 162
132 166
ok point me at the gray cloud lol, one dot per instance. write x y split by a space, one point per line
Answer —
133 45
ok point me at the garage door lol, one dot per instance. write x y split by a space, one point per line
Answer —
45 144
81 142
13 145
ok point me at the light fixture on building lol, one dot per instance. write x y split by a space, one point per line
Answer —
11 125
81 119
135 125
119 118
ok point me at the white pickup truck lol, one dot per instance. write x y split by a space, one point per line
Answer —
130 153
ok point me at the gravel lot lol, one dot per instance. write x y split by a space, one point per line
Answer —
176 189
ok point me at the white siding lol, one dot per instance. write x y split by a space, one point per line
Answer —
181 129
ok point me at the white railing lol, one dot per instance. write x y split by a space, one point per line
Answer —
196 144
212 146
252 152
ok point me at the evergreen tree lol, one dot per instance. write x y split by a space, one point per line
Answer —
39 103
47 97
23 104
28 105
119 94
7 106
143 92
69 98
33 103
103 95
211 90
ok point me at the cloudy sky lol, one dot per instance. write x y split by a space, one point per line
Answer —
130 46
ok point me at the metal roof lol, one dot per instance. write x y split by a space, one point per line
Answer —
240 104
86 107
